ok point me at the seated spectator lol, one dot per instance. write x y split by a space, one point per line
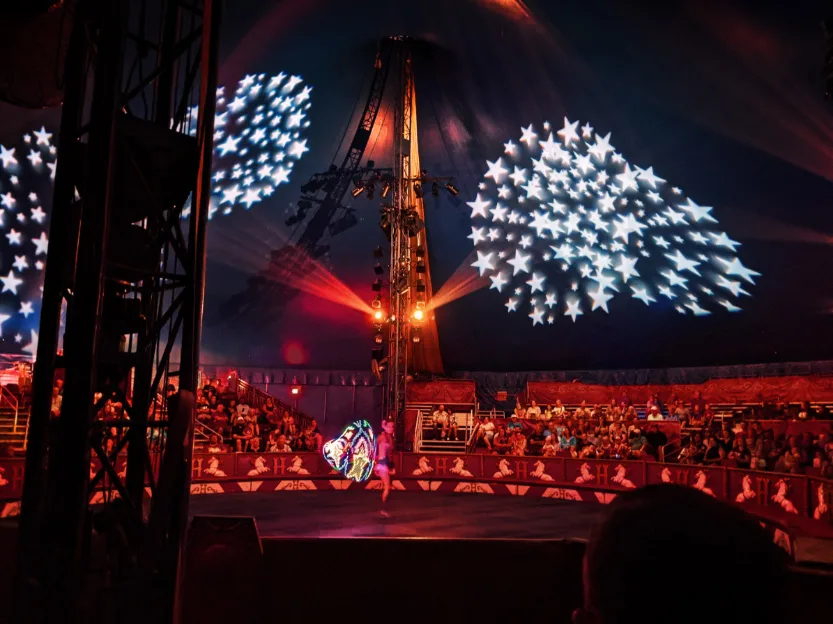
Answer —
656 439
740 453
567 441
518 442
239 433
486 432
581 411
616 570
215 445
550 448
654 413
312 440
681 412
605 448
254 445
558 410
711 454
440 420
533 411
502 442
280 445
519 412
697 419
452 426
57 400
638 444
548 413
698 403
536 440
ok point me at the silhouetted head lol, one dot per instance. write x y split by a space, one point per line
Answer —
668 553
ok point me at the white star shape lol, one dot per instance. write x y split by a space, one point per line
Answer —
642 295
568 133
735 267
251 196
537 316
683 263
573 308
41 244
479 207
20 263
14 237
11 282
498 282
528 136
600 298
484 263
477 235
26 308
536 283
496 171
519 262
7 156
626 267
229 145
512 305
647 176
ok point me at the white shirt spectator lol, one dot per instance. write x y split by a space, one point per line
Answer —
533 411
488 428
440 416
275 448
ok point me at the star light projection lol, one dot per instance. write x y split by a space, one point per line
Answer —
565 226
258 140
353 453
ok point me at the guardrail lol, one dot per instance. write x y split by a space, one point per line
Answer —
6 397
257 398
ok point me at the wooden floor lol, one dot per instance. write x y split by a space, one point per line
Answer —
329 514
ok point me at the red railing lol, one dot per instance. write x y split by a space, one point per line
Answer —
255 397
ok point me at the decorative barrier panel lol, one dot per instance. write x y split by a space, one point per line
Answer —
811 497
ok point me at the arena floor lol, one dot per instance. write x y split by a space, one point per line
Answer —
329 514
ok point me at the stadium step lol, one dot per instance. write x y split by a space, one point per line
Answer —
443 446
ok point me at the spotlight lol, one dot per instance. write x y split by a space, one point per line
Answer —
378 315
420 286
385 190
420 252
376 304
416 338
416 334
420 267
418 190
295 390
357 191
378 269
451 189
419 314
377 285
420 305
378 253
379 338
435 189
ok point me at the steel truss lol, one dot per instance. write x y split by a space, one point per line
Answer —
127 273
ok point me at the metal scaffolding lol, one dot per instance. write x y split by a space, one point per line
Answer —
123 289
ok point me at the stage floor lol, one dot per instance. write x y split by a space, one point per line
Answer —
437 515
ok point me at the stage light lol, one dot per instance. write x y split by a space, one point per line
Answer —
416 334
420 267
378 253
385 190
420 286
418 190
376 304
435 189
452 189
420 252
379 338
295 390
378 315
377 285
575 226
357 191
378 269
419 314
420 305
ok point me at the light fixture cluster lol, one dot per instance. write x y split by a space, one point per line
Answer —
565 226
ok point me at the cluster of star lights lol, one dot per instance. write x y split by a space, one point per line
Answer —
258 140
353 453
563 224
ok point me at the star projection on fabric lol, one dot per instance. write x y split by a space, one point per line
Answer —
258 138
574 229
26 174
257 141
353 453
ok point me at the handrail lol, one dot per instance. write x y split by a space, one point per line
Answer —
201 428
418 433
257 398
11 399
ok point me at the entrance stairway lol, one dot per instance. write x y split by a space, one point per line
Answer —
429 440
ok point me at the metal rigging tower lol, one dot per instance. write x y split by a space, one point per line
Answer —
128 275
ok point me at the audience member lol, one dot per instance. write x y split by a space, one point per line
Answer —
617 570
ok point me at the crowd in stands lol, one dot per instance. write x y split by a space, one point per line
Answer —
235 426
615 431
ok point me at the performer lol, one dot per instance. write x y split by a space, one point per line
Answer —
384 461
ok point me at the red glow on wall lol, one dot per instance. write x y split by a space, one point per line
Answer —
294 353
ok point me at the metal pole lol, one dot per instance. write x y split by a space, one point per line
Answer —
61 249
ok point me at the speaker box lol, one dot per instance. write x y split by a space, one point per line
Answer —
224 578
